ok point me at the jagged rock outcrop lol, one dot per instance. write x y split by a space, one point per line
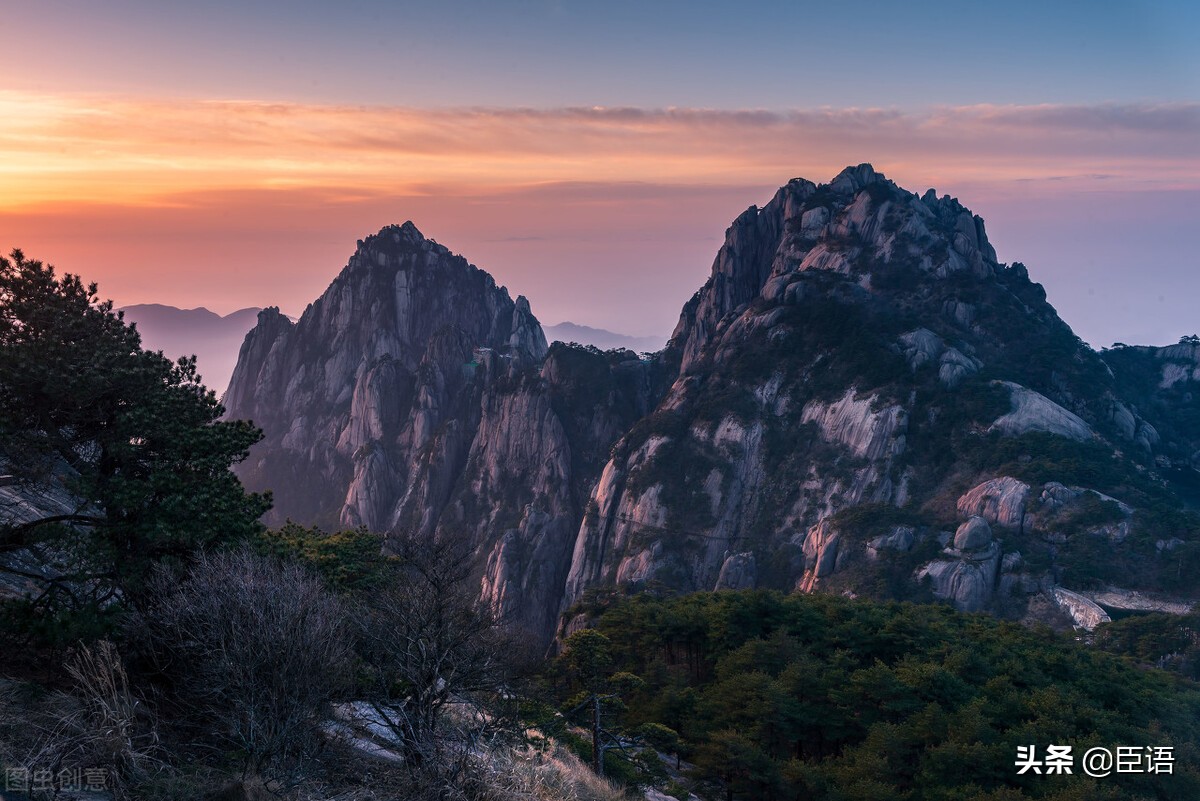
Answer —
821 549
1179 363
999 501
1060 510
1157 383
858 374
356 395
923 347
900 538
802 378
1084 612
415 395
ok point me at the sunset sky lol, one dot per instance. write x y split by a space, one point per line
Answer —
590 155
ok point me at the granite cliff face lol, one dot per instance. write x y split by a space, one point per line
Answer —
371 380
849 374
1164 384
415 394
861 398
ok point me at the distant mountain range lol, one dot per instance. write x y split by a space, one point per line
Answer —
605 340
214 340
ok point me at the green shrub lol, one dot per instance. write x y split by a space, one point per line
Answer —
806 696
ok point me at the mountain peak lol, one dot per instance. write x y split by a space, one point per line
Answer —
856 345
405 327
395 240
854 179
406 231
860 225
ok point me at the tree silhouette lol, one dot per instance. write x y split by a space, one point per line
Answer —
128 442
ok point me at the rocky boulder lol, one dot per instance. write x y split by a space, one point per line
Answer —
899 539
738 572
968 583
1032 411
973 535
999 501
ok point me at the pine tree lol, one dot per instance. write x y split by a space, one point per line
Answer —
132 439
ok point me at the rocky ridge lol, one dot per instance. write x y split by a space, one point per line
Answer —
1163 385
355 394
415 394
847 332
861 398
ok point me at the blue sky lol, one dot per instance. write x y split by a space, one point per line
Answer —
549 54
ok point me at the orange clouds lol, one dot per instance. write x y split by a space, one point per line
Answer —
111 150
605 216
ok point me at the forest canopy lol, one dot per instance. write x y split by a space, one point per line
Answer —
821 697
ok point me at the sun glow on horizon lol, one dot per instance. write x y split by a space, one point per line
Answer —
111 150
235 202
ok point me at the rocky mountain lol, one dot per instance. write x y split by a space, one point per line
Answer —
1162 382
215 340
861 399
211 338
416 394
374 374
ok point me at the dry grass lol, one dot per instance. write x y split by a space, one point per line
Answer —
117 730
547 773
101 724
541 772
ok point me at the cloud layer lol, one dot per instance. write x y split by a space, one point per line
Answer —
605 216
105 150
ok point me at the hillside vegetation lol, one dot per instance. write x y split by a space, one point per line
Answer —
821 697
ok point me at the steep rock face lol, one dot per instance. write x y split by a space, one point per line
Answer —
851 422
850 336
355 394
535 452
999 501
1163 386
857 379
415 396
738 572
256 366
525 565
